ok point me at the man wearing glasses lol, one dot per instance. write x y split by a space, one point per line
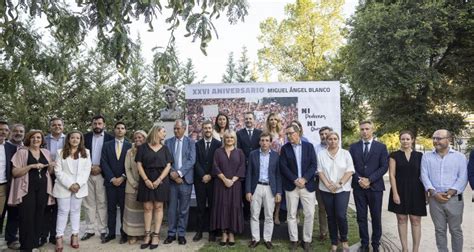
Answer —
444 175
297 167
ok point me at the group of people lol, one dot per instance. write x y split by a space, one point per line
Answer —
45 180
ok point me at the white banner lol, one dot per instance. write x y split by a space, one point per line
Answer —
314 104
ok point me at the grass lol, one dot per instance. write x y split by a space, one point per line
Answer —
282 245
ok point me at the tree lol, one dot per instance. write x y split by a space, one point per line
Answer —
111 19
188 74
230 74
244 73
403 56
301 46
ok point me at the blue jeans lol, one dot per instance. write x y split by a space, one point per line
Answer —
178 208
336 210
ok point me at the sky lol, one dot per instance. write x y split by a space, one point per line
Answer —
231 38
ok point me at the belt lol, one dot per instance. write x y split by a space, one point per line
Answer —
263 183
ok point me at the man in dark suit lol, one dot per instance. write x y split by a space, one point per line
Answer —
263 187
183 150
203 182
470 169
95 201
371 163
298 167
113 167
7 151
248 140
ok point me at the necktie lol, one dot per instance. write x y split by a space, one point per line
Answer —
366 150
177 156
208 145
250 134
118 150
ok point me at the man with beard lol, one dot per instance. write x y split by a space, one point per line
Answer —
203 182
95 202
54 141
17 135
16 138
444 175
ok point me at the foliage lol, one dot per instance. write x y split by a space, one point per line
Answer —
243 67
230 74
111 19
404 58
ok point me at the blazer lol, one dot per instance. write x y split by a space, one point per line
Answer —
253 172
289 168
10 150
67 175
88 139
203 165
110 165
188 157
470 169
373 168
245 143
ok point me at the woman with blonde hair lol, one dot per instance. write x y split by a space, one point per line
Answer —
73 167
133 222
274 126
154 164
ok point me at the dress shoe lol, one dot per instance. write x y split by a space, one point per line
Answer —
268 244
43 241
87 236
181 240
294 245
108 238
52 240
169 239
153 236
197 236
102 237
75 241
212 237
306 246
364 248
123 239
375 248
253 244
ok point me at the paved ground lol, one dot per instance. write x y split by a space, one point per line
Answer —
390 241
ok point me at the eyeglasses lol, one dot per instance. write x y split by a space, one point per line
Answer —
290 133
438 138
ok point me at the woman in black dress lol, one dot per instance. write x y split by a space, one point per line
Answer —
154 164
407 195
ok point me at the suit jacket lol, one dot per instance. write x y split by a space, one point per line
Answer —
110 165
373 168
253 172
289 168
188 157
67 175
470 169
203 165
245 143
88 139
10 150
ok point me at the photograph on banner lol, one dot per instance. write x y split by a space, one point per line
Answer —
314 104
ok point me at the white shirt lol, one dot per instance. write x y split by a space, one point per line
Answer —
180 153
370 144
55 144
3 164
297 148
97 143
335 167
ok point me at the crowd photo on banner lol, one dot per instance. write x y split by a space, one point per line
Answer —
241 160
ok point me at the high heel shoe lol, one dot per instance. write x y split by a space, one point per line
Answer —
75 241
154 235
146 243
59 244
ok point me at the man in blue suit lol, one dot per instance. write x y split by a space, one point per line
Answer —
113 167
298 167
371 163
183 151
263 187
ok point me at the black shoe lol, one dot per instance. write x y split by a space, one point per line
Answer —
146 245
87 236
197 236
52 240
306 246
181 240
123 239
153 235
294 245
364 248
14 245
268 244
169 239
253 244
375 248
43 241
108 238
231 244
102 237
212 237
